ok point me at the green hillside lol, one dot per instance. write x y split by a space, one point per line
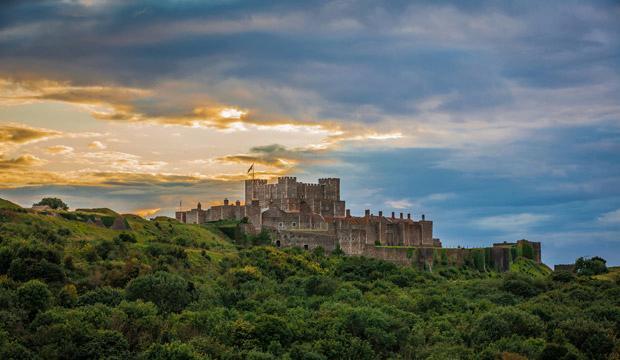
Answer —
613 275
74 289
529 267
99 211
5 204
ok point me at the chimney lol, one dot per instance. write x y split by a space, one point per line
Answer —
238 203
423 217
408 216
392 214
348 212
367 213
225 201
380 213
401 215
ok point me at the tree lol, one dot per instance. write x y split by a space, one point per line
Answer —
171 293
34 296
171 351
54 203
592 266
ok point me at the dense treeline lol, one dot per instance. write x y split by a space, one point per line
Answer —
127 297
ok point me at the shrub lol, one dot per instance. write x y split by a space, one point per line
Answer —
26 269
171 293
171 351
127 237
34 296
101 295
54 203
593 266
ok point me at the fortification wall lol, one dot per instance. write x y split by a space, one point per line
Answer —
305 240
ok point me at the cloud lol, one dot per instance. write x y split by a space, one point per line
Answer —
419 203
158 105
97 145
399 204
19 134
612 217
18 176
20 162
280 159
511 222
59 149
146 212
117 161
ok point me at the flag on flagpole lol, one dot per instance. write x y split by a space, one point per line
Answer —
251 168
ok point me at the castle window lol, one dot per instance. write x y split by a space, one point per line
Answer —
305 246
278 243
281 225
294 224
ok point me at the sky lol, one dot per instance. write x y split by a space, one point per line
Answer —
498 120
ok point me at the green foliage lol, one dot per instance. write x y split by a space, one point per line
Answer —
168 291
54 203
5 204
530 268
172 351
592 266
70 289
34 296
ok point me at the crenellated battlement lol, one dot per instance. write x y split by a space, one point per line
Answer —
310 215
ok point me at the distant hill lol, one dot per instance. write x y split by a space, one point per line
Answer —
5 204
101 211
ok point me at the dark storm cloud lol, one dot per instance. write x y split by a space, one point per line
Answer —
383 56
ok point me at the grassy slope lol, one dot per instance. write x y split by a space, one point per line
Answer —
5 204
529 267
99 211
194 239
612 275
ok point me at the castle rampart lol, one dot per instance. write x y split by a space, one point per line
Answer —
313 215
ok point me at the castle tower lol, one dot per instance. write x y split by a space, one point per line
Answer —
255 190
331 188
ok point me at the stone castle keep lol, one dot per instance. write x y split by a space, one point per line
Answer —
313 215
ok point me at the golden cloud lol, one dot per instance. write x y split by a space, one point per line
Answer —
117 103
284 159
59 149
16 176
257 159
18 134
97 145
22 161
268 175
146 212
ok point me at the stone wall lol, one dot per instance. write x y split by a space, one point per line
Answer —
305 240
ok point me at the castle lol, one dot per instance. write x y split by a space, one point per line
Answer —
313 215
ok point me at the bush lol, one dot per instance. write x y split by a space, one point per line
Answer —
593 266
171 351
171 293
520 285
127 237
26 269
34 296
54 203
101 295
505 322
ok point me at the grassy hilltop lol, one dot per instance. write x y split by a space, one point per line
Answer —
71 287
